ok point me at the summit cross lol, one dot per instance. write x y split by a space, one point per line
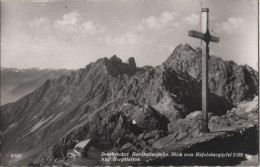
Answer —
205 36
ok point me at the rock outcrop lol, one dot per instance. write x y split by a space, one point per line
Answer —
116 67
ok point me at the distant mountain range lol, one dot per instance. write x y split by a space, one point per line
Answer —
15 83
103 100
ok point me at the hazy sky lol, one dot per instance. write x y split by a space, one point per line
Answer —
71 34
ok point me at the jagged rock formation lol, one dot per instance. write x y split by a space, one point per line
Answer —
243 115
226 79
112 101
116 67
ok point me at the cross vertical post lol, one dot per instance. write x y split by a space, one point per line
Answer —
205 55
205 36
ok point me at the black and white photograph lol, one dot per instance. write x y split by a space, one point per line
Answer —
129 83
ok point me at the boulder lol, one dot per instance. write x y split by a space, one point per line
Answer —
164 141
182 125
126 147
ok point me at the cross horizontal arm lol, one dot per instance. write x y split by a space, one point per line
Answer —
196 34
202 36
214 39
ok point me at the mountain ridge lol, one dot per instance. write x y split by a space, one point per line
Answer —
82 104
185 59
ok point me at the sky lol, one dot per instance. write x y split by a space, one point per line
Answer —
71 34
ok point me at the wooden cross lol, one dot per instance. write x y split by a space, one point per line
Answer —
206 37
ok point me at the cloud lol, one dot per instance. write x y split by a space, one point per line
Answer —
128 38
72 22
42 22
69 22
165 19
233 25
192 19
69 19
90 27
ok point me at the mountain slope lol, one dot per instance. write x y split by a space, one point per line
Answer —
106 97
17 83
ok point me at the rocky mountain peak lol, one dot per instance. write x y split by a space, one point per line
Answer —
181 48
115 66
226 79
188 47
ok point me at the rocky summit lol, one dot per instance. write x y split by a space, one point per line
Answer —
134 108
226 79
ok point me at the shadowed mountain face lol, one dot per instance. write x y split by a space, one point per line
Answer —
110 99
17 83
226 79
